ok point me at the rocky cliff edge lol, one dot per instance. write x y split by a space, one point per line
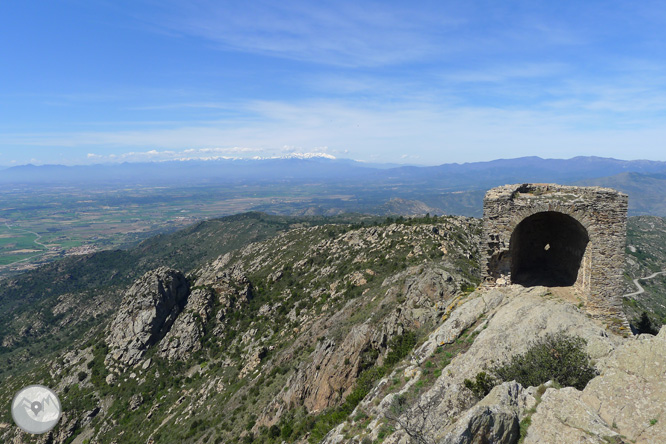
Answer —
624 403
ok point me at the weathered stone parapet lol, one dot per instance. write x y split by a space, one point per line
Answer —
554 235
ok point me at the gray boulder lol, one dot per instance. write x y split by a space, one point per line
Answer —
147 311
185 335
485 424
495 419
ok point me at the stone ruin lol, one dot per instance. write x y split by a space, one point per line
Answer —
558 236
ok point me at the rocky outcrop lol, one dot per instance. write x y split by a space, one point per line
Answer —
329 376
460 315
495 418
506 322
426 292
185 335
521 316
253 361
335 366
135 401
625 402
496 424
62 434
231 285
147 311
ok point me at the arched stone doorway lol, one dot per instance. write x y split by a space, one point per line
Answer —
583 227
547 248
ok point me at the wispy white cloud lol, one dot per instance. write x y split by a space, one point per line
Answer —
501 73
330 32
371 33
182 105
435 132
205 154
638 94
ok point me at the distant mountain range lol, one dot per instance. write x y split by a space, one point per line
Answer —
190 172
474 175
444 187
647 192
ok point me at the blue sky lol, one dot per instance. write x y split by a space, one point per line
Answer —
86 81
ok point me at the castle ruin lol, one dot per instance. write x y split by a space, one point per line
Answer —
558 236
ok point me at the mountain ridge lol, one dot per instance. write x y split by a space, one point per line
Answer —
312 333
327 169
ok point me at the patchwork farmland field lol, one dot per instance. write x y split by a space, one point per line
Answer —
38 225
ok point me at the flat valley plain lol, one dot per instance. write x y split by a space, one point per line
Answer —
50 212
40 224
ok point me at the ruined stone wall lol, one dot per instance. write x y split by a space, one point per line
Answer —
601 211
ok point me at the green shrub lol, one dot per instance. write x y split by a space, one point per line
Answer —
252 420
399 347
274 431
287 430
645 325
556 357
482 385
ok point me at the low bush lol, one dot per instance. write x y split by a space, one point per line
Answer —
557 357
482 384
646 325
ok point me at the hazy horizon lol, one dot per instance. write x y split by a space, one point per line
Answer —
306 156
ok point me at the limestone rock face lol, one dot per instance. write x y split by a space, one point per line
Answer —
184 337
425 291
321 383
526 314
507 320
625 403
231 286
253 361
510 395
495 418
627 399
63 433
147 311
496 424
462 318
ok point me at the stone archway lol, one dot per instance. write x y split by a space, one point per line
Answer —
583 227
547 248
